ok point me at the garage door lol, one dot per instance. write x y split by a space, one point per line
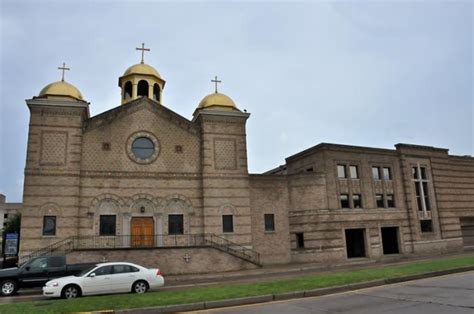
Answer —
467 230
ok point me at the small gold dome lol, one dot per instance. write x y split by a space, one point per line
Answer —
61 89
217 100
142 68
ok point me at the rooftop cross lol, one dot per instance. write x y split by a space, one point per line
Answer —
63 68
215 80
143 49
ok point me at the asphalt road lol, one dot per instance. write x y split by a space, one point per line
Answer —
448 294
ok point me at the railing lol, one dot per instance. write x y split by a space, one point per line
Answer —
138 241
230 247
147 241
64 246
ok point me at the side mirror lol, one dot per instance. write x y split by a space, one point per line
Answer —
92 275
27 268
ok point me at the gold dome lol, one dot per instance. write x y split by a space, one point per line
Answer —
142 68
217 100
61 89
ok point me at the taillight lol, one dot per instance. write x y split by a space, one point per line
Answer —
158 272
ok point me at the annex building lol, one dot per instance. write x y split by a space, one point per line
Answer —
142 183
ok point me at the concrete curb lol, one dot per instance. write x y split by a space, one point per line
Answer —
292 295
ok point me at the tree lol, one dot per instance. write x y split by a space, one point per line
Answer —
13 224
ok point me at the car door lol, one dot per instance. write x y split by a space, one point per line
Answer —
97 281
123 277
35 274
56 267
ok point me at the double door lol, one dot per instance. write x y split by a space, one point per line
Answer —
142 232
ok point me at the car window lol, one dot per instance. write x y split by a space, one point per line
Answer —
120 269
102 271
39 263
56 261
85 271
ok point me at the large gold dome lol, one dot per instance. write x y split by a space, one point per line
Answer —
217 100
142 68
61 89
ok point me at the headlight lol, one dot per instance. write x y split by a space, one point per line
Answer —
52 284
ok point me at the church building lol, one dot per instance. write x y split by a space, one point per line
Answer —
141 183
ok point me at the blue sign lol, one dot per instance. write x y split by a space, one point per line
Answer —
12 236
11 243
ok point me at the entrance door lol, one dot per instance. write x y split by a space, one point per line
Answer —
390 240
142 232
355 243
467 231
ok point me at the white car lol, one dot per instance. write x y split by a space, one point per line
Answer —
105 278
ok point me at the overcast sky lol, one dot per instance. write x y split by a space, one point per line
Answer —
362 73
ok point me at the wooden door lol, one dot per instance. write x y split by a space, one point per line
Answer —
143 232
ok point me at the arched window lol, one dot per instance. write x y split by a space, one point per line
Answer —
127 90
156 92
142 88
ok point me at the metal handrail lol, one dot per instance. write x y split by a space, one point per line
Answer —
233 248
63 245
147 241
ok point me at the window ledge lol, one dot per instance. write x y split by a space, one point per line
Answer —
269 232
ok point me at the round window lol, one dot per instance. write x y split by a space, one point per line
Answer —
143 148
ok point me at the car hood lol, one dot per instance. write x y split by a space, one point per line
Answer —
8 271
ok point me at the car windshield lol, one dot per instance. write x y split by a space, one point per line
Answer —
40 262
85 271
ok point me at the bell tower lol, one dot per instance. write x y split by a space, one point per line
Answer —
141 80
51 195
225 178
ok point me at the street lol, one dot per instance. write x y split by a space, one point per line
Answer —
447 294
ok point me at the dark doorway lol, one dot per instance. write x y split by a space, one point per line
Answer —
390 240
299 240
355 243
467 232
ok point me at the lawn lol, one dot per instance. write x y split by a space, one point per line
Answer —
192 295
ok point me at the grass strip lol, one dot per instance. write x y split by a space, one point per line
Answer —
192 295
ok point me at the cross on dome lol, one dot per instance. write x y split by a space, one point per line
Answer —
216 81
143 49
63 68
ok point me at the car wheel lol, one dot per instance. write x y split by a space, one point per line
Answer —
8 287
71 292
140 287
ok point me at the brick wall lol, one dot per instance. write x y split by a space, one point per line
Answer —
169 261
269 195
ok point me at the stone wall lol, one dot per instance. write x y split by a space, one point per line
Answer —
51 186
115 129
269 195
225 179
171 261
453 179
